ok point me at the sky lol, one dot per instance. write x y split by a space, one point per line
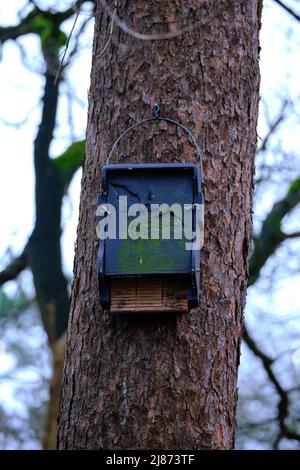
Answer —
20 95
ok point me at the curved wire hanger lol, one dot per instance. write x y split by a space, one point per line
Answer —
157 117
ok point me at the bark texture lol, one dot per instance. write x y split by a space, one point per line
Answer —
51 426
168 382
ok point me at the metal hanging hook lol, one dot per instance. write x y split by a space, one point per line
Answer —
156 111
157 117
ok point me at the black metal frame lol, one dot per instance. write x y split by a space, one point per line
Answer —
198 198
157 117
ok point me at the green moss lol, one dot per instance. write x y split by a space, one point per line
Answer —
48 30
70 161
151 256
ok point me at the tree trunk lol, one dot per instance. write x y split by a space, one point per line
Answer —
50 431
153 382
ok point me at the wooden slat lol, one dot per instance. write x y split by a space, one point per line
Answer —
149 295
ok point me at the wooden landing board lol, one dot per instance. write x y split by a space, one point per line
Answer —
148 295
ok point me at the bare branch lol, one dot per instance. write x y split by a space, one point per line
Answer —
27 61
273 127
61 15
14 268
267 361
24 27
288 9
27 24
162 36
22 122
72 10
287 236
67 44
265 244
76 44
283 404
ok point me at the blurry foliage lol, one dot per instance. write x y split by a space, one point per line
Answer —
12 306
69 161
24 375
21 401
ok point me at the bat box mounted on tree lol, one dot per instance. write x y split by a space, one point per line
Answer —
150 226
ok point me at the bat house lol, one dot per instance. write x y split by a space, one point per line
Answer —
148 219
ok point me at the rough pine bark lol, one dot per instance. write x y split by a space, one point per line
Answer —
167 382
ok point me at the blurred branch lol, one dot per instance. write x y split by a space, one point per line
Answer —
36 21
27 61
17 124
16 266
273 127
68 42
288 9
250 425
267 361
271 235
72 10
75 48
69 161
287 236
283 404
24 27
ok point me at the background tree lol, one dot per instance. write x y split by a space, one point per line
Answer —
42 253
266 242
167 382
272 333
